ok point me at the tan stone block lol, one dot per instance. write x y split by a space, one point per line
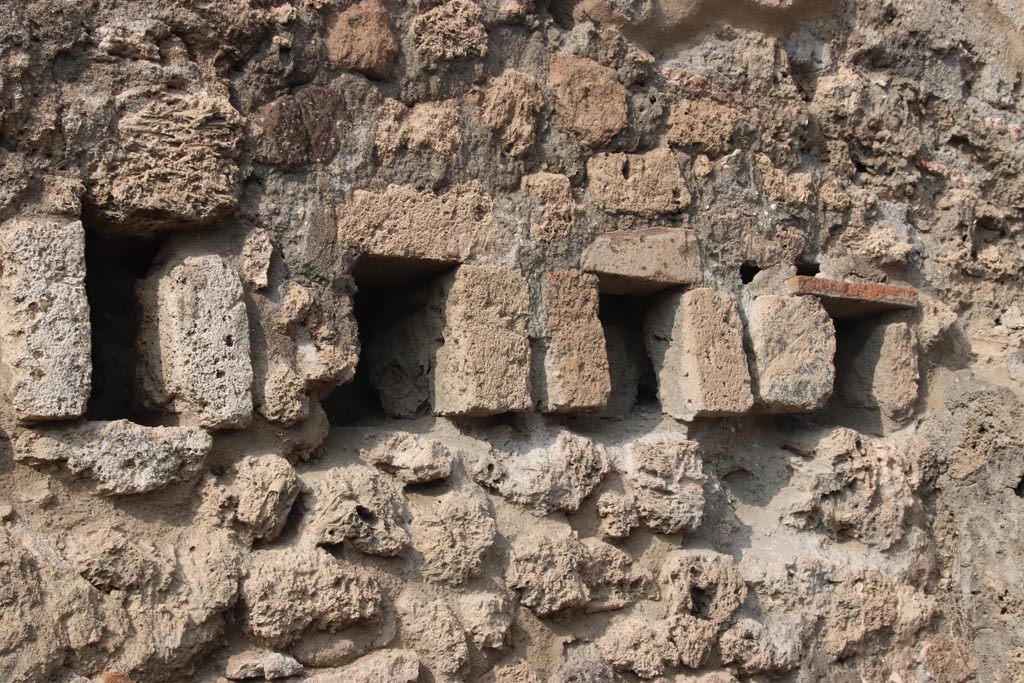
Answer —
695 341
553 194
576 375
510 107
483 367
361 39
194 343
792 344
46 363
648 184
450 31
644 261
589 99
705 125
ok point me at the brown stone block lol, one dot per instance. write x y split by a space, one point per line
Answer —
853 299
644 261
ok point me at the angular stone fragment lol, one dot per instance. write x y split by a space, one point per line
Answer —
695 341
665 480
589 99
618 515
45 362
648 184
193 344
121 456
556 476
172 161
792 345
301 128
360 39
487 618
452 535
457 225
411 458
546 569
356 504
430 627
576 376
702 584
266 486
289 590
483 368
643 261
510 107
853 299
450 31
553 194
382 666
639 646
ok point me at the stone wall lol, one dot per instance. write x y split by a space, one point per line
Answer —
361 341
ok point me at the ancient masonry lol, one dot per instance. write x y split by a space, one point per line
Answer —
509 341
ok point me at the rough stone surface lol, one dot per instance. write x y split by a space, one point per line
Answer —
194 344
647 184
590 101
791 350
575 361
121 456
361 39
44 315
643 261
467 330
695 341
483 368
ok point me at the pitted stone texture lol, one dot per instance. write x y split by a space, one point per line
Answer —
194 344
589 99
46 367
360 39
547 570
618 515
510 107
355 504
644 261
261 664
382 666
695 341
452 532
172 162
123 457
648 184
703 584
289 590
642 647
411 458
555 476
613 579
557 207
665 481
483 368
430 628
265 487
703 125
792 345
457 225
487 618
576 378
450 31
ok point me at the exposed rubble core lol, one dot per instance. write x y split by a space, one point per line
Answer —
506 341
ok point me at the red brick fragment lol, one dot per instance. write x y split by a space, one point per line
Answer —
853 299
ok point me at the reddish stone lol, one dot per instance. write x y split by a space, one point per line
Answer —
853 299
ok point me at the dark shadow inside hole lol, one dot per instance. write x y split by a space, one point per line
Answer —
1019 488
114 265
357 402
807 268
633 381
747 273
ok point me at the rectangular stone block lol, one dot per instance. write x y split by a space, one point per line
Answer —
648 184
792 344
193 345
576 375
695 341
46 350
644 261
853 299
483 365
